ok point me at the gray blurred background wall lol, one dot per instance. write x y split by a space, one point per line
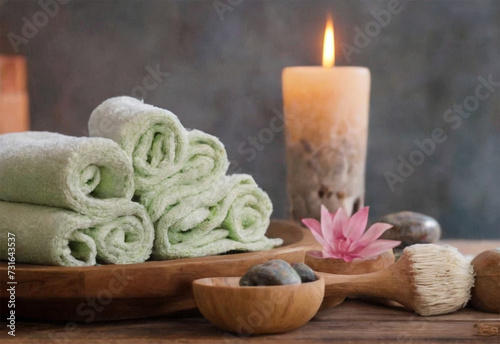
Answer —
224 60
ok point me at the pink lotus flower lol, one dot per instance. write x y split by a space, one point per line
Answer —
342 237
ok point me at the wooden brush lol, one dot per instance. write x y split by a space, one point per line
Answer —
429 279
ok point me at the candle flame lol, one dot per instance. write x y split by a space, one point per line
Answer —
328 45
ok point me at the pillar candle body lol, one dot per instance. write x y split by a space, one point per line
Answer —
326 121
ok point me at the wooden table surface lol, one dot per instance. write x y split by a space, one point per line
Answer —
353 321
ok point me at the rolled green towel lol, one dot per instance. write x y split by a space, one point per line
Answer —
154 138
88 175
220 244
233 214
207 162
54 236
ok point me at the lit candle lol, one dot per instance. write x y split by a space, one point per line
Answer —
326 121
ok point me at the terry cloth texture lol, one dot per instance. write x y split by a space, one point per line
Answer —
206 163
54 236
91 176
152 137
233 214
180 179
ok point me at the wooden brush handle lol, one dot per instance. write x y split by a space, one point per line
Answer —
394 283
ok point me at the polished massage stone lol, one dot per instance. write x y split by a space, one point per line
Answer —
272 272
411 228
305 272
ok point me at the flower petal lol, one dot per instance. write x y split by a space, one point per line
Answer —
372 234
348 258
331 255
315 228
313 225
375 231
340 220
375 248
321 240
327 225
315 254
357 224
344 217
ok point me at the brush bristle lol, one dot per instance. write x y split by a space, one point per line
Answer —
443 278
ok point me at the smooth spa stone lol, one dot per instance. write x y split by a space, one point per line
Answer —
305 272
272 272
411 228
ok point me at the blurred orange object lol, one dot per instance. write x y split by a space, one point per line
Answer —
14 103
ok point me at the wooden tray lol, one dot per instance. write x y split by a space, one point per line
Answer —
112 292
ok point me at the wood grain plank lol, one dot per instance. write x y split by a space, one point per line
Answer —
352 322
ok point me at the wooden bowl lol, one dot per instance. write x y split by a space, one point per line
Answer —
356 267
486 291
257 310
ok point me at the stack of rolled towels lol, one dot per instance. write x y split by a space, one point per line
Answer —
180 179
67 201
141 186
